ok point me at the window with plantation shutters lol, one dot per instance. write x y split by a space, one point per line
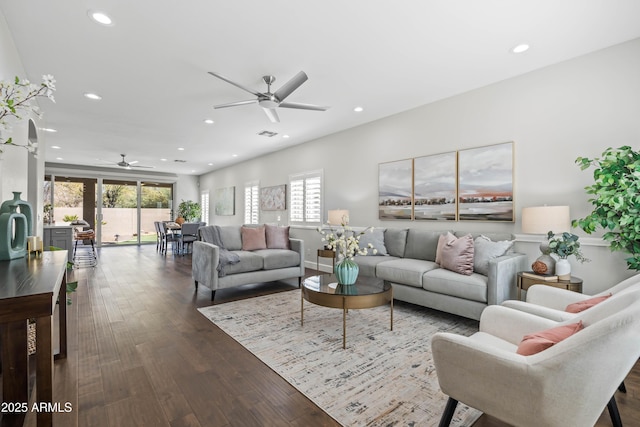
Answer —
204 204
305 198
251 202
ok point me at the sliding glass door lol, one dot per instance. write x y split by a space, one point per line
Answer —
121 212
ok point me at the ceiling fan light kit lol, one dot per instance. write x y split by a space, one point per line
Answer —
271 101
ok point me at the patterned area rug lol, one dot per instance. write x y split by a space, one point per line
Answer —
382 378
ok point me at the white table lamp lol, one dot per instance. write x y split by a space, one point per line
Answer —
542 220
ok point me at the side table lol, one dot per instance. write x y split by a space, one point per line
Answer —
525 282
326 253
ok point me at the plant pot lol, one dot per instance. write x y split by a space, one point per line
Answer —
347 272
563 269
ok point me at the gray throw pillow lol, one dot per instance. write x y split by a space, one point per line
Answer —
376 238
485 250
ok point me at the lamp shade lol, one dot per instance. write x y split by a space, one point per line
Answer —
338 217
542 219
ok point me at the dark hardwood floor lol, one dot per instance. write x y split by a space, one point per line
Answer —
140 354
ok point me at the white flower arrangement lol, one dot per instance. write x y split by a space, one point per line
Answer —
345 241
16 97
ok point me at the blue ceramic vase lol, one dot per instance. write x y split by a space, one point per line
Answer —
347 272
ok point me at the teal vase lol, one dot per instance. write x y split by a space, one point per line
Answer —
13 234
347 272
23 207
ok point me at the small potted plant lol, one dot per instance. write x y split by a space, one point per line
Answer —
564 245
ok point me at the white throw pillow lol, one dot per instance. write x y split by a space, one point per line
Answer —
485 250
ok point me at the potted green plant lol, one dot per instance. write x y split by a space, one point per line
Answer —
189 210
565 245
616 200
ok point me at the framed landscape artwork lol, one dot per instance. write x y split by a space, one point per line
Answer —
485 183
273 198
225 201
395 190
434 187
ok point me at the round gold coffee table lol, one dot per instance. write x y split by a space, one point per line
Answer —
367 292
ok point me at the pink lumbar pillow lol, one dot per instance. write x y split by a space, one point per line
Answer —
577 307
253 238
538 341
277 237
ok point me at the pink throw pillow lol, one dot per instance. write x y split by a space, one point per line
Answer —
457 254
577 307
536 342
443 240
253 238
277 237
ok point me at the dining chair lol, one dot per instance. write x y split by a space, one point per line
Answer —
158 235
188 235
168 237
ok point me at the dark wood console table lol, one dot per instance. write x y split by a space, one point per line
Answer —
29 289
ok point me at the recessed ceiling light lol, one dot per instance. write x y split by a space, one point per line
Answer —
193 170
358 109
100 17
209 121
234 155
48 130
520 48
163 160
180 149
59 158
210 164
55 147
93 96
285 136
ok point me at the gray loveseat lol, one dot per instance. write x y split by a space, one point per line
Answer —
409 264
281 259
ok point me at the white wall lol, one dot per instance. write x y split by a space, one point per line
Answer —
575 108
14 161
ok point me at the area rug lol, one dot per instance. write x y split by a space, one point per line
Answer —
382 378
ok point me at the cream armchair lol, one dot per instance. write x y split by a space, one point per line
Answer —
550 302
566 385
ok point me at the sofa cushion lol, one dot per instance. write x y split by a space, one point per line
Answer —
539 341
375 238
395 240
443 240
368 264
485 250
405 271
277 237
249 261
253 238
496 237
422 244
457 255
278 258
231 237
447 282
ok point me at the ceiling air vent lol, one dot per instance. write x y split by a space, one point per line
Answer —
268 133
180 161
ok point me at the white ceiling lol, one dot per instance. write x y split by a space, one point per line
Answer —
151 66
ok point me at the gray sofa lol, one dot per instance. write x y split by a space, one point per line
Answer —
254 266
409 264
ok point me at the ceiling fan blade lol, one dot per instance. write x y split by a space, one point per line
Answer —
290 86
235 104
271 113
302 106
134 162
238 85
140 166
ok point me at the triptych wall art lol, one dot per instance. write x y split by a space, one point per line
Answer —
466 185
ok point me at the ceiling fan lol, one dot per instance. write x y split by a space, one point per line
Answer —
270 101
128 165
